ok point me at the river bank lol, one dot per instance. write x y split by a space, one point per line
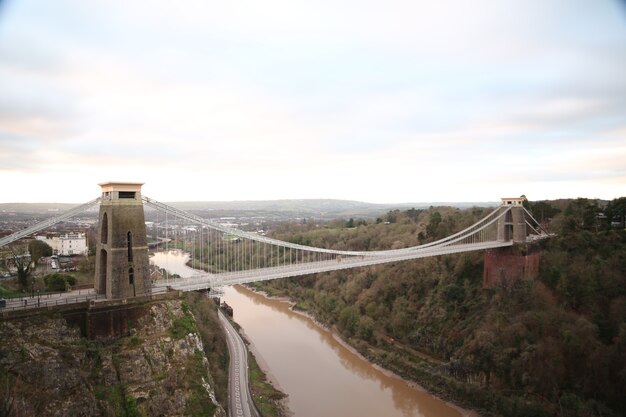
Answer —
292 305
321 374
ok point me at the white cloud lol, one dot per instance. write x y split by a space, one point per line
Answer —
372 101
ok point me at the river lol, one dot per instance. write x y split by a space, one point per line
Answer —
320 375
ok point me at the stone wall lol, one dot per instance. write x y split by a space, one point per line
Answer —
504 265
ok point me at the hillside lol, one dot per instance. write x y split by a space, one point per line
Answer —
554 345
173 362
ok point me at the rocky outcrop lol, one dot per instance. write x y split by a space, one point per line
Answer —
48 369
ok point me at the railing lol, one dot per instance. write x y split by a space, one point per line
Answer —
48 294
26 303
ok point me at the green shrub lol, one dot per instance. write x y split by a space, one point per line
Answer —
134 341
182 327
55 282
131 407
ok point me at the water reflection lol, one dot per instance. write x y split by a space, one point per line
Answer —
173 261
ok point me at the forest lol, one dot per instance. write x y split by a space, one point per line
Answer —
550 345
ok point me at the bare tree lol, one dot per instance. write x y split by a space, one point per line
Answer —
22 260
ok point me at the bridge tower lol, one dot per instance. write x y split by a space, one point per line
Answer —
122 266
512 226
513 263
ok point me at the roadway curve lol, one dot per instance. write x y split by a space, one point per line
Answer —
239 395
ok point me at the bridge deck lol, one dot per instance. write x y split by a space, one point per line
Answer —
204 281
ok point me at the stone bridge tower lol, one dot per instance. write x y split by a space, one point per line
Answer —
509 264
512 226
122 266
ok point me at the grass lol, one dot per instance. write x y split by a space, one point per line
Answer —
134 341
9 293
266 397
302 306
214 341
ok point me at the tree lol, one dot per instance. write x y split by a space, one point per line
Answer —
87 265
433 223
480 352
38 249
348 320
580 214
21 260
365 328
542 210
413 214
58 282
616 212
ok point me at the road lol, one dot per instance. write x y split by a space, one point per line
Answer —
240 397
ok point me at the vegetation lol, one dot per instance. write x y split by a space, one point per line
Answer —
200 403
10 293
58 282
266 397
38 249
181 327
21 260
555 345
215 348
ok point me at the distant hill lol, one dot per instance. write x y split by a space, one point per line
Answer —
320 208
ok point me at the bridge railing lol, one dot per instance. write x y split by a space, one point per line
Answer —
48 295
41 301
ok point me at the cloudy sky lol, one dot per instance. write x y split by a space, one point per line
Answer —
371 100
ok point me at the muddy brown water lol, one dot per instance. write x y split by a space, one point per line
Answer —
321 376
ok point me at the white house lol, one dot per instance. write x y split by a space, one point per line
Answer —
69 244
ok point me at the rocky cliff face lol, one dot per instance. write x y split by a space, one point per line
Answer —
48 369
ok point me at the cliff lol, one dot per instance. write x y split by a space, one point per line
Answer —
47 368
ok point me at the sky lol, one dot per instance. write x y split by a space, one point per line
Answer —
378 101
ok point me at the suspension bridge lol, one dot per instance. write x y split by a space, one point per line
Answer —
225 255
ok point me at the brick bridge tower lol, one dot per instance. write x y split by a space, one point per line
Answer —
506 265
122 266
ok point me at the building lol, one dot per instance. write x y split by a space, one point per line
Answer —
68 244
